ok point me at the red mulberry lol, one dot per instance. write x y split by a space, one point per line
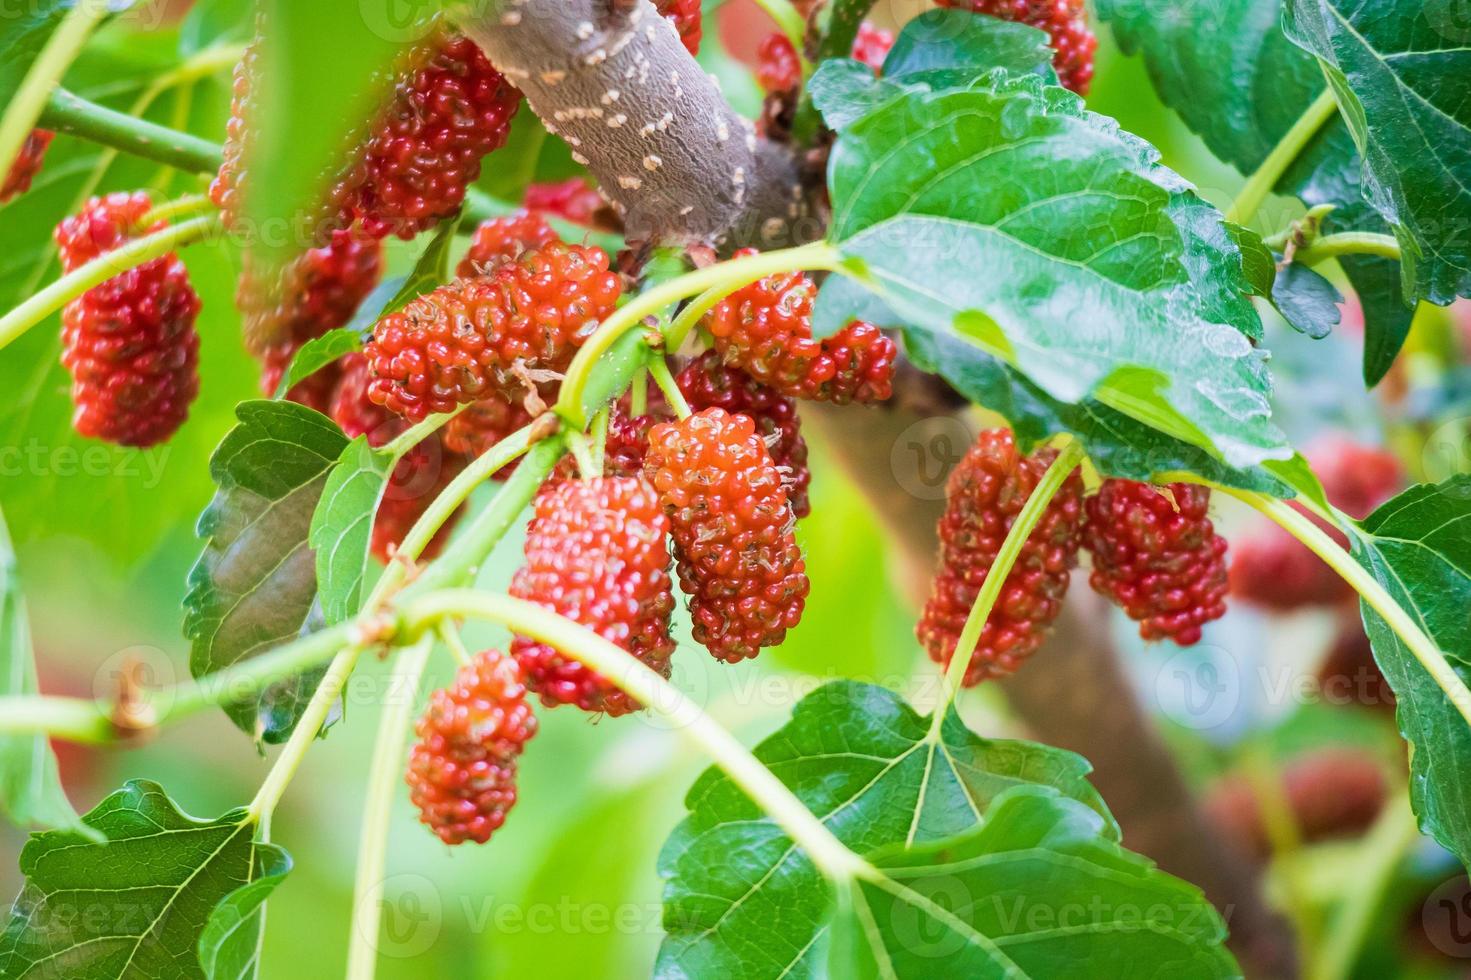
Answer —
129 342
467 339
462 771
1066 24
1158 557
475 430
27 164
572 200
765 329
706 383
1272 569
597 552
778 69
737 557
872 45
686 16
501 240
985 492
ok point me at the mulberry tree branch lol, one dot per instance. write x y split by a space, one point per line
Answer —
612 79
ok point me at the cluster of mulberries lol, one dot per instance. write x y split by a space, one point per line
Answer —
474 338
1066 24
27 164
501 240
1157 555
765 329
985 493
597 552
688 19
573 200
462 770
735 550
129 343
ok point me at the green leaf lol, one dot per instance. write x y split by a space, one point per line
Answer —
30 785
430 271
319 352
1306 300
742 900
134 906
1237 81
26 29
211 22
1402 77
1418 546
255 585
229 946
1037 890
342 527
1105 277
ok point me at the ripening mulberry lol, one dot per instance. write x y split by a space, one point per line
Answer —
686 16
765 329
130 342
472 338
736 553
707 383
1066 24
501 240
872 45
485 423
778 69
597 552
1273 569
984 494
27 164
1158 557
462 771
573 200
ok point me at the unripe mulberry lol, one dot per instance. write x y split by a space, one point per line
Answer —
573 200
686 16
985 493
1158 557
707 383
1066 24
27 164
737 557
472 338
765 329
130 342
597 553
1273 569
501 240
462 771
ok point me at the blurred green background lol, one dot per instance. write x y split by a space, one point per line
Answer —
569 888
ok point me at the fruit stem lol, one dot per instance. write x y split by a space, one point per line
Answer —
1069 457
661 697
1375 595
418 432
587 467
1348 243
659 371
29 99
101 269
383 778
691 315
454 643
599 436
638 393
1287 150
67 112
730 275
169 210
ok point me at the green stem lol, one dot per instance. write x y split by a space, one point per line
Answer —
384 773
1383 848
418 432
791 23
1068 459
179 207
1348 243
454 643
101 269
659 371
630 316
1322 544
1287 150
692 313
830 855
69 113
587 467
60 50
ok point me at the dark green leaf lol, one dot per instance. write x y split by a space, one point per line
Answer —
30 786
342 527
317 353
742 901
1105 277
1402 77
229 946
255 585
1306 300
1037 890
1418 546
134 906
24 31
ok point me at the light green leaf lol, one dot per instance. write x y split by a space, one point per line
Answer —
229 946
342 527
255 585
319 352
134 906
